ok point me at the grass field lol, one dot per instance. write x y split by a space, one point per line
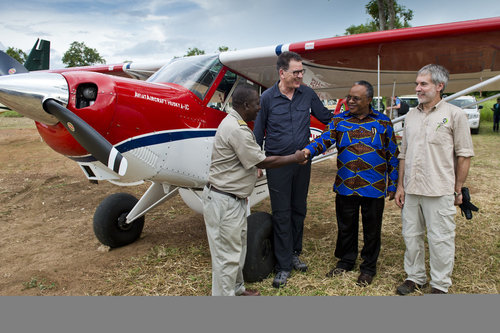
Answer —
185 270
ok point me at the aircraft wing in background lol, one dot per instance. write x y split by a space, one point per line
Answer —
470 50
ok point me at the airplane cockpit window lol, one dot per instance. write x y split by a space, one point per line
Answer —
222 95
194 73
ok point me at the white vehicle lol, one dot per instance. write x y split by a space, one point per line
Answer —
468 104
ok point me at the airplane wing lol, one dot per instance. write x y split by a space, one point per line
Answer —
139 71
470 50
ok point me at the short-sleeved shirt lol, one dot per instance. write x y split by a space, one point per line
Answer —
430 144
285 123
367 154
234 156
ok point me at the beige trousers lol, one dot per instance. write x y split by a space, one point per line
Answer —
437 214
226 224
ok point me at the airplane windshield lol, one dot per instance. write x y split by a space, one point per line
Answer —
194 73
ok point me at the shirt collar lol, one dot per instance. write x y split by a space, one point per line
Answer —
435 107
278 93
371 113
235 114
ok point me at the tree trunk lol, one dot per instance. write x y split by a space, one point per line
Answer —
381 15
392 14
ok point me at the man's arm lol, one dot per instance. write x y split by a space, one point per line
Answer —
320 111
463 165
400 191
278 161
392 161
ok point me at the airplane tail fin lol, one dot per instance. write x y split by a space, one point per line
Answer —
39 57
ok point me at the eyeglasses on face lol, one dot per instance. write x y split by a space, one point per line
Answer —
296 73
354 98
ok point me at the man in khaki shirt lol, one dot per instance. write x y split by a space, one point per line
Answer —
435 155
232 177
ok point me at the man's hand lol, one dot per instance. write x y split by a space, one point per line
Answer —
300 157
307 154
458 199
391 195
260 173
400 196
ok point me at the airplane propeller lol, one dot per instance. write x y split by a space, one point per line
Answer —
88 137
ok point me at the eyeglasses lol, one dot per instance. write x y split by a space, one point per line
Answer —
356 99
296 73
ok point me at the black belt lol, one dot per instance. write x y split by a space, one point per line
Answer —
212 188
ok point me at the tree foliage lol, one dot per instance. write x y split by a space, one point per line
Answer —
386 15
17 54
194 51
79 54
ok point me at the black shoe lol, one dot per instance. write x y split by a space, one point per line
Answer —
298 264
408 287
280 279
336 271
364 279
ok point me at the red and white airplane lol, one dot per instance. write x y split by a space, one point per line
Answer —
156 122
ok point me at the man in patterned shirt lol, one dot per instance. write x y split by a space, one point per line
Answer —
367 172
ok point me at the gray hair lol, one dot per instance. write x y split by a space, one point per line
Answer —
368 86
438 73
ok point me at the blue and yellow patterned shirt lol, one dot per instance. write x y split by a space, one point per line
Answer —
367 154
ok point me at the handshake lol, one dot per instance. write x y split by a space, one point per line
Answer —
302 156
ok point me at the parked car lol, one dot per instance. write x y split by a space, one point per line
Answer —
472 111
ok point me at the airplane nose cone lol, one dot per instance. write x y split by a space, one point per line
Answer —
25 93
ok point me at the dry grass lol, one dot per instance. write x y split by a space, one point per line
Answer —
185 270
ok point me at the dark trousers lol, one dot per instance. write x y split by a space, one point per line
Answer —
496 120
347 210
288 187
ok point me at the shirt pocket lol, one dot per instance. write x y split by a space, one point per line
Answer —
439 134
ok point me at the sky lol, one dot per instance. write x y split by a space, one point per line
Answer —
157 30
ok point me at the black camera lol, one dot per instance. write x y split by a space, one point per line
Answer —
466 206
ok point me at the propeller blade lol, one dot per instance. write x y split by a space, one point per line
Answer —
9 65
88 137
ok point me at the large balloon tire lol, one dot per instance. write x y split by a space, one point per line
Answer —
260 260
109 226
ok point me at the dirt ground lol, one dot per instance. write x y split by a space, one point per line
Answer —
47 245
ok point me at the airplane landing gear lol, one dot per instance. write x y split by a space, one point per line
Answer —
109 221
259 261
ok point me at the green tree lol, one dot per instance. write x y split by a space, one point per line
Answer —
79 54
386 15
193 52
223 49
17 54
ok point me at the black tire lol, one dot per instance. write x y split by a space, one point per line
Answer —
259 261
109 217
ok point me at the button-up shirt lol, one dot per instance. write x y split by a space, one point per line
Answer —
367 154
430 144
285 123
234 156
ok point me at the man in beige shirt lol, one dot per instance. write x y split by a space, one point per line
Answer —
232 177
435 155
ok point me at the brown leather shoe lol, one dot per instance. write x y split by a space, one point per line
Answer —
364 279
437 291
250 292
336 271
408 287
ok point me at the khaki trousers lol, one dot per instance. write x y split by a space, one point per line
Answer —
437 214
226 224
